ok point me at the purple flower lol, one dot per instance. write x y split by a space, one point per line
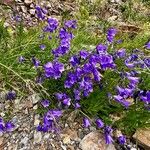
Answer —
101 48
147 62
42 47
111 34
53 114
11 95
52 24
122 139
133 80
45 103
121 100
9 126
121 53
108 131
35 62
67 101
99 123
77 94
106 61
74 60
21 59
71 24
84 54
40 12
147 46
145 96
108 139
86 122
71 80
2 128
77 106
53 69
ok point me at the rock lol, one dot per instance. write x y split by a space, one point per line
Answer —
32 11
24 9
67 135
1 141
34 98
143 137
36 120
112 18
27 2
37 137
24 140
95 141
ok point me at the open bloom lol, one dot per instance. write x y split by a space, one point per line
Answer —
53 69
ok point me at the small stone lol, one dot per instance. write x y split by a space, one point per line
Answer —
36 120
34 98
112 18
32 11
24 140
27 2
35 107
68 135
37 137
24 9
1 141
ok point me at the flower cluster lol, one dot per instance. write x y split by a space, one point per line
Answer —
50 121
40 12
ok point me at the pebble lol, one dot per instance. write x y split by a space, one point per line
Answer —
37 137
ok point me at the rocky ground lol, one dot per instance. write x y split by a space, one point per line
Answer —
72 135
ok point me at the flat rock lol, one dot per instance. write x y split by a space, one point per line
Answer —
143 137
95 141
